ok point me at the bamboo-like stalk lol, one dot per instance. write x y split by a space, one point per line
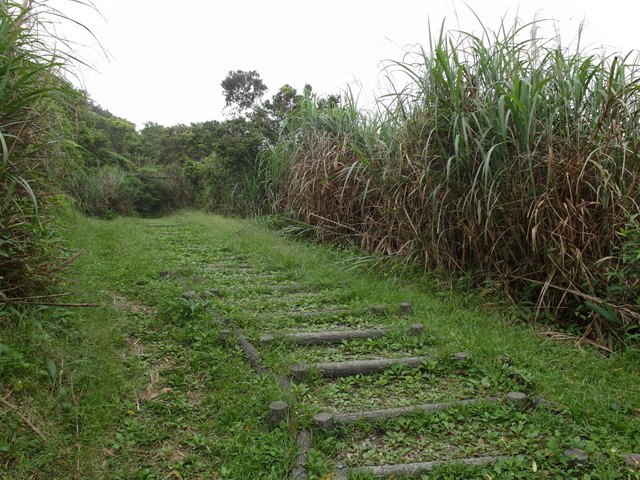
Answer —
504 156
31 92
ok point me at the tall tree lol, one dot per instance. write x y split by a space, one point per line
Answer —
271 114
238 144
242 90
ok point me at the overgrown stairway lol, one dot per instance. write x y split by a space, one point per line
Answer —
378 394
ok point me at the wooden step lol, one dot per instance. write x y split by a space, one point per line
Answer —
353 367
326 419
413 469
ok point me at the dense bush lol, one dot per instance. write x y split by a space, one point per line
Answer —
109 191
32 100
504 158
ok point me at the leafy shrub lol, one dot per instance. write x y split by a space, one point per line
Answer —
111 190
629 252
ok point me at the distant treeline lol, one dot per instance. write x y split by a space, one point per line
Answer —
208 165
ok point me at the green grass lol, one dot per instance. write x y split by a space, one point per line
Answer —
491 431
146 387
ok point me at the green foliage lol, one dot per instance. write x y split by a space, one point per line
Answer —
165 145
32 161
271 116
202 139
502 158
238 144
103 138
149 371
163 168
210 164
13 364
182 310
242 89
629 254
111 190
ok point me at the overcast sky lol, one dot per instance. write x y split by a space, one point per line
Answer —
166 59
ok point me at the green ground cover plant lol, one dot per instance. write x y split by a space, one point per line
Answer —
436 380
146 385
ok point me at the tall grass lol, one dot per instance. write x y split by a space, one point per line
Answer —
502 156
31 92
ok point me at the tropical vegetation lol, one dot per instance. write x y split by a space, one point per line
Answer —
504 159
495 185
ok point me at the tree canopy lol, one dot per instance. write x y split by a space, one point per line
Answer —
243 89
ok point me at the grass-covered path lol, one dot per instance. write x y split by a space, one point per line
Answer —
147 387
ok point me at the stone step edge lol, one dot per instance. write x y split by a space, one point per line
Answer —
414 469
299 373
333 336
377 310
325 419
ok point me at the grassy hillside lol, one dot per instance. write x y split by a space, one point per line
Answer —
145 386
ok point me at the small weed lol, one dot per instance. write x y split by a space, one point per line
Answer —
181 310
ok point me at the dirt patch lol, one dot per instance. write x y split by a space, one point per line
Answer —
123 304
134 344
170 452
151 392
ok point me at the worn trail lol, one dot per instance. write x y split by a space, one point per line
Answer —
363 388
290 329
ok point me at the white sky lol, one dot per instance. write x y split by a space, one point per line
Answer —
166 61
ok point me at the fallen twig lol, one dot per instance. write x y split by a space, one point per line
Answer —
24 419
578 340
58 304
